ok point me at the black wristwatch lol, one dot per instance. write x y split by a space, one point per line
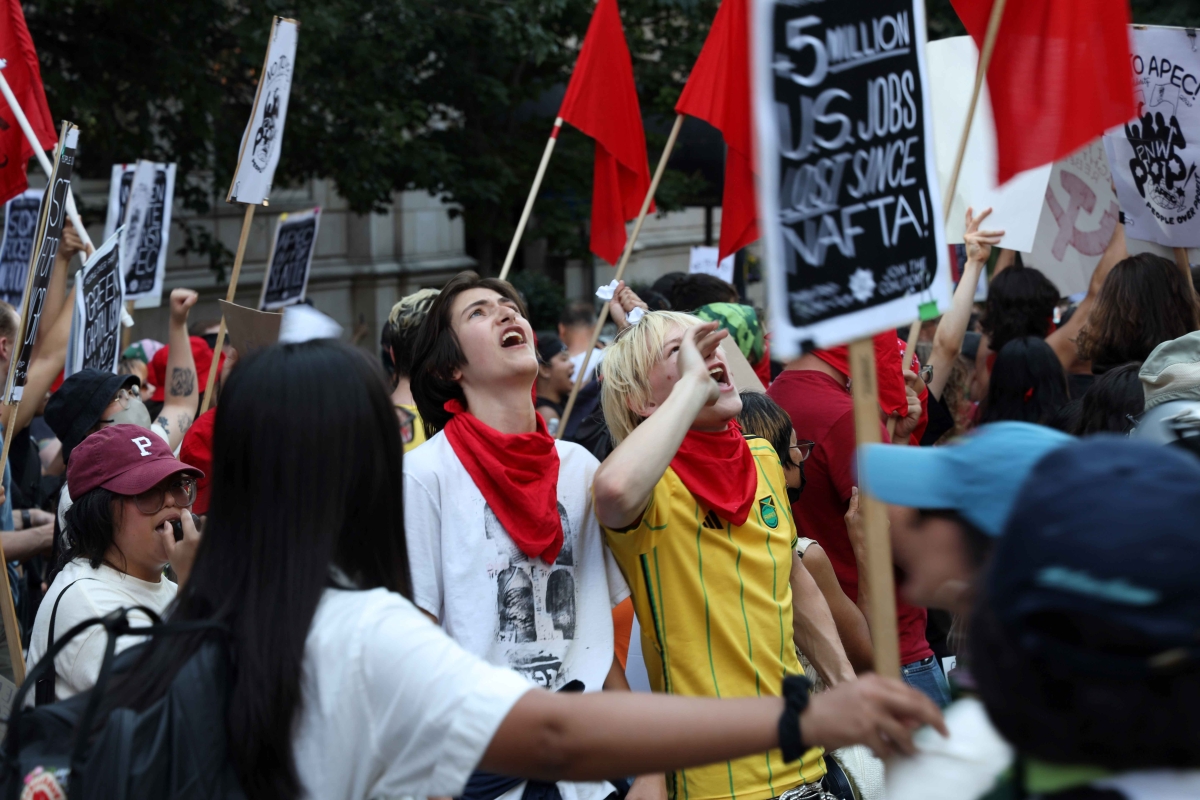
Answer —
26 522
795 698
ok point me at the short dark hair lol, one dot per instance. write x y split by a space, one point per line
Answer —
699 290
91 520
1110 402
1027 384
761 416
437 352
578 314
1020 302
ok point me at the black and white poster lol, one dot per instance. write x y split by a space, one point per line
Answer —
263 139
118 196
20 224
1154 157
41 262
286 279
96 323
141 195
849 205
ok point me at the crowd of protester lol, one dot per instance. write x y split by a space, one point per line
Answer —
442 577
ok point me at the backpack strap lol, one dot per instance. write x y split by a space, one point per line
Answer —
44 693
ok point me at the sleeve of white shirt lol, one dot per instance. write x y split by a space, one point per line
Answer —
78 665
423 534
434 706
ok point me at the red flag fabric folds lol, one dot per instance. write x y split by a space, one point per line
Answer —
1059 77
602 102
718 92
25 79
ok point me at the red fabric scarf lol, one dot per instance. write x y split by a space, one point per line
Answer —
719 470
517 474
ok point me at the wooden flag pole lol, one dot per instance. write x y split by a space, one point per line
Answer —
233 282
12 631
23 121
1181 259
533 191
624 262
882 601
127 332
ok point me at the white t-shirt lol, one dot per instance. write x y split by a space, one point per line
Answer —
593 362
104 591
392 706
550 622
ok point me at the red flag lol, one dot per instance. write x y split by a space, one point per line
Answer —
602 102
718 92
25 79
1060 76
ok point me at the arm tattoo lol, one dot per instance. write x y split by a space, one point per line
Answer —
183 382
162 421
185 422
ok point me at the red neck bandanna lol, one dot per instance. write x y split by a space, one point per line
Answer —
517 474
718 469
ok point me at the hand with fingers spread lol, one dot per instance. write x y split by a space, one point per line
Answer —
881 713
700 342
979 243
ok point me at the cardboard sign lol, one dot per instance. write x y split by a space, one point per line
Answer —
703 260
745 379
250 330
1016 206
1078 218
1155 157
99 298
849 204
286 279
41 262
261 143
20 223
141 195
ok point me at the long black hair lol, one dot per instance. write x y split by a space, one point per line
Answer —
1020 302
306 475
1112 403
1028 384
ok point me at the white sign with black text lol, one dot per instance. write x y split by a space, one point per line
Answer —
286 279
140 197
99 298
703 260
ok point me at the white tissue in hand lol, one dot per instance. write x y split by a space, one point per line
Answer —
607 292
636 314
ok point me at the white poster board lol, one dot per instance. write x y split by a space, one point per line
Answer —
20 224
95 341
1155 157
1016 205
703 260
1077 220
849 204
140 197
286 280
263 139
118 195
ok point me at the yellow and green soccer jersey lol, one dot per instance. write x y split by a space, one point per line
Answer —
715 608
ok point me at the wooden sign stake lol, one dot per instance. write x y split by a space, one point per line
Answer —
233 282
12 631
629 243
533 191
1181 258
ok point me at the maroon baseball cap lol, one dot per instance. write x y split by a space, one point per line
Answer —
125 459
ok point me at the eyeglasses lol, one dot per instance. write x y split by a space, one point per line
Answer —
126 396
803 449
182 491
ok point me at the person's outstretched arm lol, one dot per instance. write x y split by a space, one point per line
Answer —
851 623
47 362
1063 341
815 632
626 480
182 389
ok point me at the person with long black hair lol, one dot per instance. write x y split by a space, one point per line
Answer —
1027 384
341 688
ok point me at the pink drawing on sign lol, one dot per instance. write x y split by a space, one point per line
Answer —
1081 198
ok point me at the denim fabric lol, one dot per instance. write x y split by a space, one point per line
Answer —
926 677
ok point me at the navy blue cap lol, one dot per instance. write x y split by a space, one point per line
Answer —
1109 529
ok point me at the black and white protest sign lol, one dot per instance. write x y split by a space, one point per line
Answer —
147 190
286 279
118 196
41 262
261 143
20 224
1154 157
99 299
848 195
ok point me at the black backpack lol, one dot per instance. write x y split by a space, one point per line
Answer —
174 748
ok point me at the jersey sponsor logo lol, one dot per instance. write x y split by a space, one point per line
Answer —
766 507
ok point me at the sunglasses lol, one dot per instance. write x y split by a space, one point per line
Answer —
181 489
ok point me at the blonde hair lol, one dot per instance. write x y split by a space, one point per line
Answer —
627 365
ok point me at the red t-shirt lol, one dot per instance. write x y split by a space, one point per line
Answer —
822 412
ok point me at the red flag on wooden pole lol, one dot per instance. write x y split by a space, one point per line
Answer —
718 92
1060 78
25 78
602 102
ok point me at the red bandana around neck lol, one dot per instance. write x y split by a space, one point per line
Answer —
517 474
719 470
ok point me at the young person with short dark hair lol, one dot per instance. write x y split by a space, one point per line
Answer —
553 380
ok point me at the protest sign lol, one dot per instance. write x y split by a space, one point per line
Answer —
250 330
286 279
1016 206
46 237
850 209
1078 218
118 196
20 224
142 194
261 143
99 298
1154 157
744 376
703 260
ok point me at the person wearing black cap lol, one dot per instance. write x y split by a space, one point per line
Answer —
553 380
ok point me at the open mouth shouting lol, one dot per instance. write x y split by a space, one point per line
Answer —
512 336
718 374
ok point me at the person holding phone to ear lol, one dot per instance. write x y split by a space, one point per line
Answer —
131 494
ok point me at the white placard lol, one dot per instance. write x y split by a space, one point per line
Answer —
1155 158
95 341
20 224
849 204
286 280
118 195
1016 206
703 260
263 139
140 197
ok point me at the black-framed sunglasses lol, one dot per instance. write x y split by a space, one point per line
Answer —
181 488
803 450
